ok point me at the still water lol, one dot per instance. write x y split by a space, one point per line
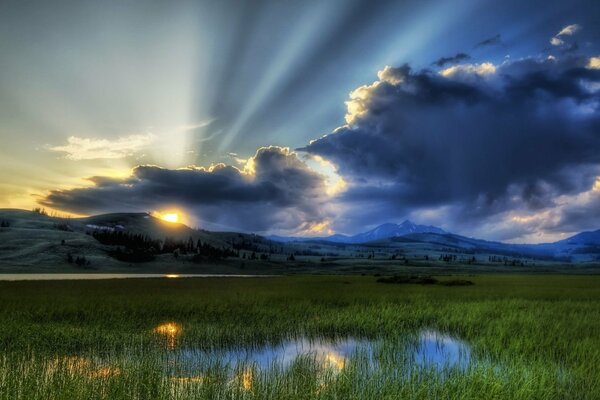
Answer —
54 277
429 349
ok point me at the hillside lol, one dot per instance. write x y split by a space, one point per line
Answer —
30 241
34 241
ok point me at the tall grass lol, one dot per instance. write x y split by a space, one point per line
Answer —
532 337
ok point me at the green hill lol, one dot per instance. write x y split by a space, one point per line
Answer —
36 242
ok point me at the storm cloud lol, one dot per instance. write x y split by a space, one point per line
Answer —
476 139
492 41
442 61
275 190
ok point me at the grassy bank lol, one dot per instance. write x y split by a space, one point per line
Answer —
532 336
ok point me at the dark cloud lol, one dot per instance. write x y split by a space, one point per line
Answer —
276 190
492 41
481 138
581 214
440 62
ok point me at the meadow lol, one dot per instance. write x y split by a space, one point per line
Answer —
530 337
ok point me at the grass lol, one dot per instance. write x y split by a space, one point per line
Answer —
533 337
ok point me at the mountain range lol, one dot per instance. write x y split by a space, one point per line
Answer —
582 247
30 241
384 231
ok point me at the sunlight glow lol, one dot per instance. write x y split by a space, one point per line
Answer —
303 35
76 365
173 217
170 330
334 182
246 379
483 69
594 63
334 360
322 227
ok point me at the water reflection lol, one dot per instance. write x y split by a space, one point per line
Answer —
440 351
431 349
170 331
97 276
81 366
245 378
331 354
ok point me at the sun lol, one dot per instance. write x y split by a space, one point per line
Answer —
170 217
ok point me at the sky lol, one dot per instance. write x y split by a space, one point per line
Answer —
306 117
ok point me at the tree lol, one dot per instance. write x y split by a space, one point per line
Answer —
41 211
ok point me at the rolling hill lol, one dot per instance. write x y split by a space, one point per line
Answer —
33 241
30 241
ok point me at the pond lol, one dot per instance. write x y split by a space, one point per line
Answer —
429 349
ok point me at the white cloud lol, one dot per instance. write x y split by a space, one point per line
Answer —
568 30
78 148
484 69
594 63
192 127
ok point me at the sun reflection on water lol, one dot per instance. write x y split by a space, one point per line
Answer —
245 378
170 330
76 365
333 360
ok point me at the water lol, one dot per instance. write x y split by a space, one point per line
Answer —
440 351
53 277
431 350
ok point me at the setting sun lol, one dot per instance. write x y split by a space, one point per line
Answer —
171 217
174 216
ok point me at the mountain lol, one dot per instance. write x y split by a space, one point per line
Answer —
31 241
582 247
583 239
384 231
394 230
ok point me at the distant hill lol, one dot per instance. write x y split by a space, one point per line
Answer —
33 241
583 238
582 247
37 241
383 231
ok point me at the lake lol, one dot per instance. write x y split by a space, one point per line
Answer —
53 277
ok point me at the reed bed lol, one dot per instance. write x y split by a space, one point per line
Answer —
531 337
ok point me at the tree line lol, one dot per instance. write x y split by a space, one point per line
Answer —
134 247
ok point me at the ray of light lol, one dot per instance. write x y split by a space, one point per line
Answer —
303 36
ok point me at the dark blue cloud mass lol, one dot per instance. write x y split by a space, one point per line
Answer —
481 138
487 122
275 190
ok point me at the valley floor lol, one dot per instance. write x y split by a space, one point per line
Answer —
305 265
530 337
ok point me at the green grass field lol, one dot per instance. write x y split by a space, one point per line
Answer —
532 337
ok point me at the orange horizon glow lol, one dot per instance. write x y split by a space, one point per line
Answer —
172 216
